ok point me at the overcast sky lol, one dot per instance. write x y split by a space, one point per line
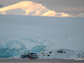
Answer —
73 7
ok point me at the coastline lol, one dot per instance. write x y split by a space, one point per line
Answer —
40 60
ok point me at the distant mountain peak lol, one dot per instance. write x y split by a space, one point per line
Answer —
31 8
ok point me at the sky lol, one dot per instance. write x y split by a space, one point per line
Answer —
73 7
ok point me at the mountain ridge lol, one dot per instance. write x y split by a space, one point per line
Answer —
31 8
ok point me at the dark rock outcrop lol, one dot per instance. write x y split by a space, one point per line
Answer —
1 6
61 51
32 55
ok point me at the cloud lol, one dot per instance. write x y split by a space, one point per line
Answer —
31 8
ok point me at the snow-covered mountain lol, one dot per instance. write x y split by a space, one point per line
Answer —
81 15
31 8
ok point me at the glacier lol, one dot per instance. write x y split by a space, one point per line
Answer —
23 34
